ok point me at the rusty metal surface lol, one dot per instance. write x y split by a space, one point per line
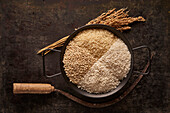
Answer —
27 26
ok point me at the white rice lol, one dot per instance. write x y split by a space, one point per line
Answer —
106 73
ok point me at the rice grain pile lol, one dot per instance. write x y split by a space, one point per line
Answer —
96 60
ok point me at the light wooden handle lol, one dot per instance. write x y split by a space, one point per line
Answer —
32 88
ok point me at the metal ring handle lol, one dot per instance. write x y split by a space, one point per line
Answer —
44 72
149 60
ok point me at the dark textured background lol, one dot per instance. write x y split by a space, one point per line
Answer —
27 26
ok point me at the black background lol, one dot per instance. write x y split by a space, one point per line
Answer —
27 26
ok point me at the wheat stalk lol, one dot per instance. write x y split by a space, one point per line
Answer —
117 19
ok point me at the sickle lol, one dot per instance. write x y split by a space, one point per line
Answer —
31 88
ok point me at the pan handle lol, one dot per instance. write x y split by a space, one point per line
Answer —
44 72
149 60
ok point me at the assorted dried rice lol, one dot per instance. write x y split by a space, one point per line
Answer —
96 60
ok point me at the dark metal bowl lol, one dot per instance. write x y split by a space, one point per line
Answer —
92 97
73 86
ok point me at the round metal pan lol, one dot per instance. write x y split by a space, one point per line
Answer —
115 32
103 96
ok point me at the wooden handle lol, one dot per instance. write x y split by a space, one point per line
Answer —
32 88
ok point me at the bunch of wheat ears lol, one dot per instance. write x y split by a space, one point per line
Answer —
118 19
